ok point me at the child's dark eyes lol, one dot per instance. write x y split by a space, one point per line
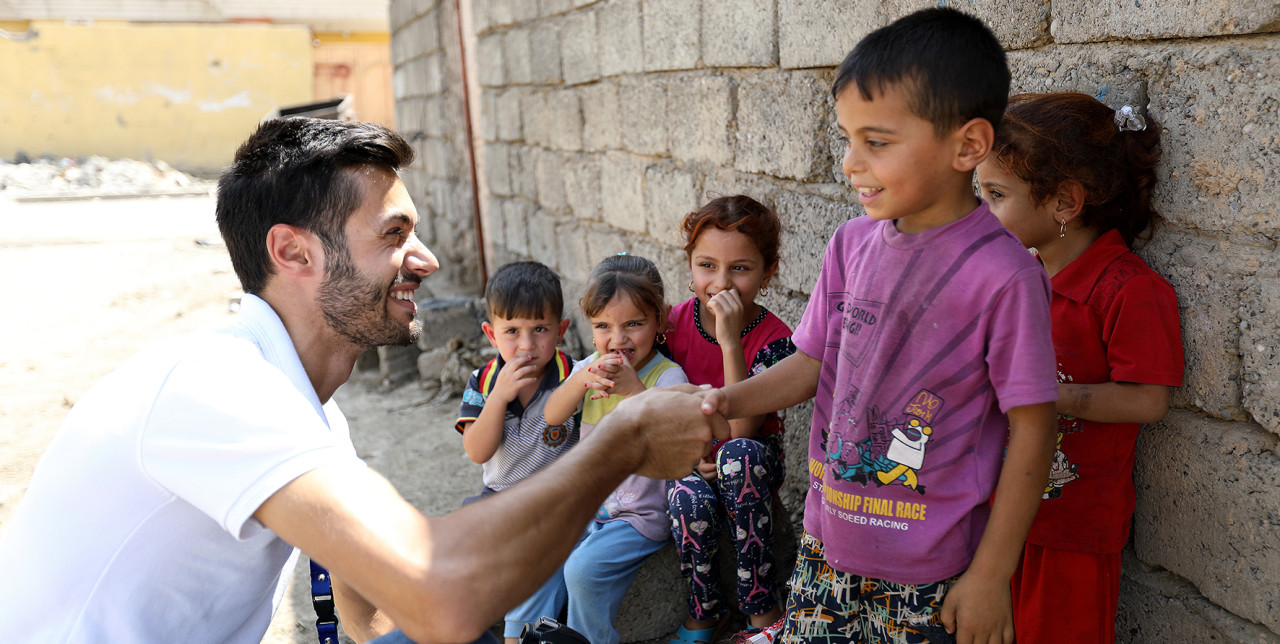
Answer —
873 143
994 194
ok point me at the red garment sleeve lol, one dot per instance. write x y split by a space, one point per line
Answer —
1142 333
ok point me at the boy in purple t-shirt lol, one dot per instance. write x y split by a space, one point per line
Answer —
926 345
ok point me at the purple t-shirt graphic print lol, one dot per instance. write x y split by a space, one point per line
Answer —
926 341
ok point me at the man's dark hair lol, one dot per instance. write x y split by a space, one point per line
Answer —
948 63
524 290
294 171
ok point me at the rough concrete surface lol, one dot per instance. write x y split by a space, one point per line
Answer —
1209 509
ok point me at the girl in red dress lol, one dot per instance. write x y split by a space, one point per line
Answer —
1072 179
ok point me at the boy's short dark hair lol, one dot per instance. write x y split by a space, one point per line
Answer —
524 290
949 63
294 171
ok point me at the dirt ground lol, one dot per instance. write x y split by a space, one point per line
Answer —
89 283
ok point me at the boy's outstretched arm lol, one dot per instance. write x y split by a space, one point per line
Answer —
790 382
978 609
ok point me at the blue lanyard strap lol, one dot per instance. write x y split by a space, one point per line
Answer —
322 599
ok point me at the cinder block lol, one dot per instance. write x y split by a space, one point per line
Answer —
1260 346
740 34
671 34
579 49
543 245
622 192
603 242
549 172
1220 170
553 7
435 158
400 12
508 116
403 47
524 10
500 14
621 50
544 41
565 119
536 117
433 82
808 221
1158 606
495 233
818 33
489 60
582 186
643 115
584 3
1209 285
519 56
497 168
1208 491
408 117
1084 21
516 214
702 132
600 129
481 19
784 124
433 117
524 179
670 193
426 29
575 262
671 263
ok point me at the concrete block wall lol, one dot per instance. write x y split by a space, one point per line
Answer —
431 112
604 121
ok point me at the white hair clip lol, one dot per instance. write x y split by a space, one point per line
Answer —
1127 119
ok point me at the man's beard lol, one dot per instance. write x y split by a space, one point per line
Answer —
355 306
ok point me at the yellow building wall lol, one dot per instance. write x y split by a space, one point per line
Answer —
186 94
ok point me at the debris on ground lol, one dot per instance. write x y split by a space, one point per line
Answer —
67 178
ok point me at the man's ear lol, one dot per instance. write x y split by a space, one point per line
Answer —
564 326
975 139
488 332
1068 202
292 250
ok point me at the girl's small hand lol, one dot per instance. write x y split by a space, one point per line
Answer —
599 375
626 380
729 312
707 468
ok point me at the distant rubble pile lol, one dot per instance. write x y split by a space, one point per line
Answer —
95 176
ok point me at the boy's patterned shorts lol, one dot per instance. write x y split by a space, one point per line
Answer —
826 606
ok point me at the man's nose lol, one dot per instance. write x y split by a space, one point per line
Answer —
419 259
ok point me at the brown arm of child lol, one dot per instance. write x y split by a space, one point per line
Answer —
978 608
482 437
1114 402
790 382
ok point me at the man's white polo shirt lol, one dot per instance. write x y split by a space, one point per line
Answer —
138 524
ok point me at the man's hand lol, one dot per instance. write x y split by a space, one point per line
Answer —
978 610
670 427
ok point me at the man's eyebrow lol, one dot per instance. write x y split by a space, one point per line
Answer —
399 217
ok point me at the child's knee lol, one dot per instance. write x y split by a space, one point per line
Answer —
741 449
